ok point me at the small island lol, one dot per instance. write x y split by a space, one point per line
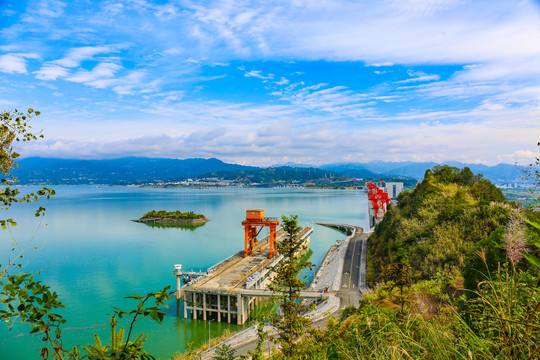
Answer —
172 218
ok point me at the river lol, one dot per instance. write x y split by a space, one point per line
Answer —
90 252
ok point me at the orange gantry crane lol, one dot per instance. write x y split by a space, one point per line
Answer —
255 219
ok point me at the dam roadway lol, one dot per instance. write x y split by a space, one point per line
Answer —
353 274
354 270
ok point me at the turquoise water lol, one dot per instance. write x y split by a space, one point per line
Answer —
93 256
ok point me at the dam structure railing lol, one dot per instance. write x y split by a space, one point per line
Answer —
229 290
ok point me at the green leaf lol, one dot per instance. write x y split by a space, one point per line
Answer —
133 296
532 223
532 259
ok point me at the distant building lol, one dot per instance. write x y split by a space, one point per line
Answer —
393 189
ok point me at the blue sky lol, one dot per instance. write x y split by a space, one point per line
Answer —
266 82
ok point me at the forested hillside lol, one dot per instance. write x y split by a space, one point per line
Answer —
454 273
437 223
283 174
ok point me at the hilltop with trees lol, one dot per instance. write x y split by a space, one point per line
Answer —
437 223
454 270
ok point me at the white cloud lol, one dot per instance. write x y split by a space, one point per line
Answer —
258 74
495 44
419 79
60 68
15 63
381 64
7 103
98 77
283 81
49 8
339 102
255 142
136 82
51 72
77 55
172 51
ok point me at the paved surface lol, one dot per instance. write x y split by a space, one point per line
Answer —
354 269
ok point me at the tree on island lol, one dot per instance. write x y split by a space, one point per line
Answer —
162 214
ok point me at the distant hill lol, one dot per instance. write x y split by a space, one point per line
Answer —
130 170
499 174
275 175
135 170
351 170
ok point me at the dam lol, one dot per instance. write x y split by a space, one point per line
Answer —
229 290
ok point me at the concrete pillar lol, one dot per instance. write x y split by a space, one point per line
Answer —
240 309
204 306
245 309
178 286
178 307
185 305
229 309
218 308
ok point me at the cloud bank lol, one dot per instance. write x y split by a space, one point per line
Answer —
259 82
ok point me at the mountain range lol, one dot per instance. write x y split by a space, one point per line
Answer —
136 170
131 170
498 174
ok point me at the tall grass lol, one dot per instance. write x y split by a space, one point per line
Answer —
376 333
506 312
502 322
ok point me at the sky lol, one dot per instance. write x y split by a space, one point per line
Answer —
272 82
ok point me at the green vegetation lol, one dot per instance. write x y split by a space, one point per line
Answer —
13 128
280 176
437 223
454 228
289 323
163 214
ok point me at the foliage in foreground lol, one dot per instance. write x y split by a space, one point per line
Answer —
25 300
502 322
31 302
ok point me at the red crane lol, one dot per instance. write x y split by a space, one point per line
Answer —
254 223
378 197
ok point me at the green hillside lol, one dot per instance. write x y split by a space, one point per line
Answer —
285 174
438 222
453 229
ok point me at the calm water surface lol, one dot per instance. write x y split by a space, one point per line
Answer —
93 256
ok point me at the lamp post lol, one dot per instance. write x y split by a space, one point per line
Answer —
209 321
